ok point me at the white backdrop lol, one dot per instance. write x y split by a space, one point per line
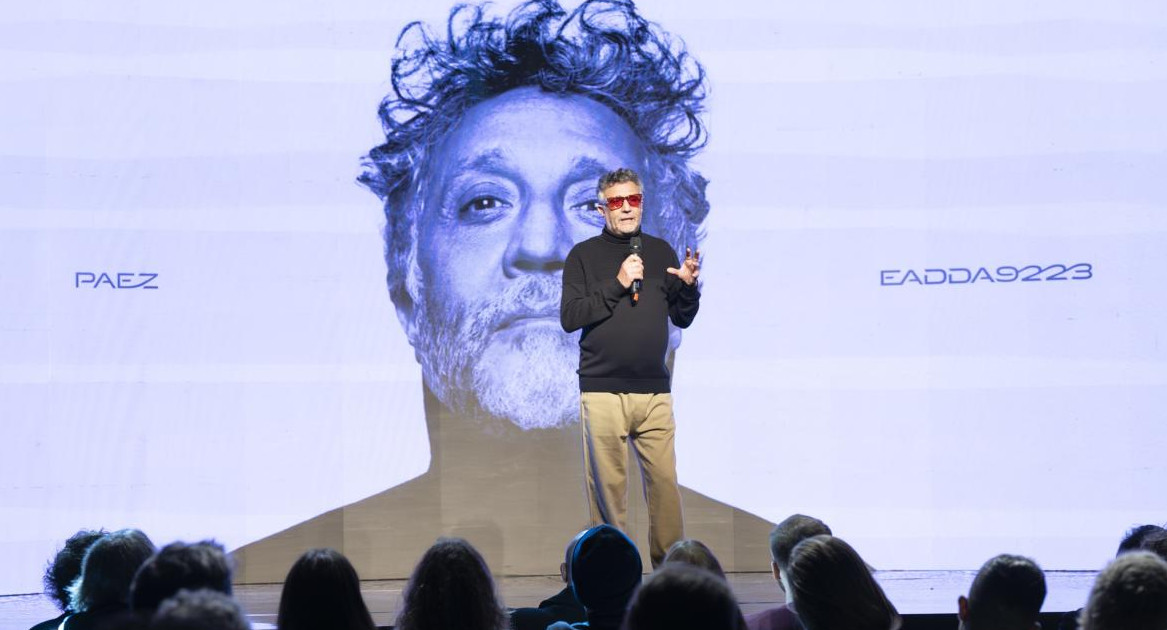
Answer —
215 144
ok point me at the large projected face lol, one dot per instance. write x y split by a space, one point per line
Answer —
495 139
511 190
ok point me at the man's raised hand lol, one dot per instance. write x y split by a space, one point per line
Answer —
690 269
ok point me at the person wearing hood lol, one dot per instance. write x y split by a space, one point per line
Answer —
604 571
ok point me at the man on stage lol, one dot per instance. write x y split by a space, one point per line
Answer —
623 288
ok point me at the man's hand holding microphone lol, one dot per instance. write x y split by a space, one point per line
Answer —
631 274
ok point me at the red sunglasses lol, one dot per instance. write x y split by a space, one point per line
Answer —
615 203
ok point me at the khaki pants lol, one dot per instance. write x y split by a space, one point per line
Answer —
608 422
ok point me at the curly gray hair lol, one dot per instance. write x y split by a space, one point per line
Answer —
602 50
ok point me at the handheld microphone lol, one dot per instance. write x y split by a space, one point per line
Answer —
634 248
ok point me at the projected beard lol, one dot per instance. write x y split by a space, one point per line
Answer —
505 358
513 188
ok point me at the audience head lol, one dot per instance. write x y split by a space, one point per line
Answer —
64 568
202 609
108 569
831 587
785 535
1006 595
322 590
1156 543
1129 594
1135 536
605 570
683 596
451 571
179 566
694 552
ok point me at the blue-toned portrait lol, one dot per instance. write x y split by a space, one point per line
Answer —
497 128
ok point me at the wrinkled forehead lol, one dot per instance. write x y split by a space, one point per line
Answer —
540 141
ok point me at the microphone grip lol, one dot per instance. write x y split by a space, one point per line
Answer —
635 291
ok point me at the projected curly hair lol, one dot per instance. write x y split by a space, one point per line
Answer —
602 50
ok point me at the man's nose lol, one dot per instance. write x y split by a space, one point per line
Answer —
541 241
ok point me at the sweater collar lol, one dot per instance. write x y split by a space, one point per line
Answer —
618 239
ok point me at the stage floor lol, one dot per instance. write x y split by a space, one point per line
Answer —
913 593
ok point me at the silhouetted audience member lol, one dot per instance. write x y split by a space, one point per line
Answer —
1156 543
832 588
1006 594
1133 539
203 609
323 592
562 606
783 538
451 589
177 566
101 593
1129 594
679 596
605 570
695 553
62 570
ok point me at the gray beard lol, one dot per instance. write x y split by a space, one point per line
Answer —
529 380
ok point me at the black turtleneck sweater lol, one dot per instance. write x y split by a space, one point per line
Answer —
622 347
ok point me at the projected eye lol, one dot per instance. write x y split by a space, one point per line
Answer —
588 210
482 205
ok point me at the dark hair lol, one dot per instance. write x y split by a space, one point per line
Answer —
683 596
1007 593
832 588
695 553
108 569
791 531
1156 543
178 566
618 176
602 50
202 609
1129 594
64 568
322 590
451 589
1133 538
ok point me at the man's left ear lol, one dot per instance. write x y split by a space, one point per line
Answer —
962 608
